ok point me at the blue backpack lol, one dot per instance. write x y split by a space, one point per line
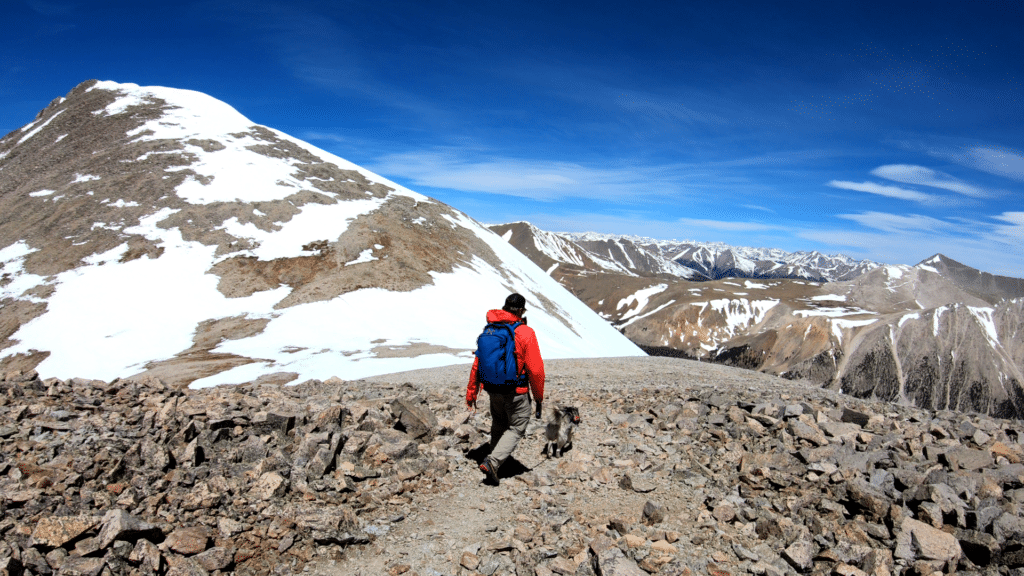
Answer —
496 352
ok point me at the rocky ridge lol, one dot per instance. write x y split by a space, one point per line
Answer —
678 468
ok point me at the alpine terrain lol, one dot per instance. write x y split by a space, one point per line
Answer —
938 335
158 232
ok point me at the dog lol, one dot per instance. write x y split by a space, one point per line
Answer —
560 429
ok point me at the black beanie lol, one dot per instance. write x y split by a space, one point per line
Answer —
514 301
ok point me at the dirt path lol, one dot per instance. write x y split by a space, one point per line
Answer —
537 495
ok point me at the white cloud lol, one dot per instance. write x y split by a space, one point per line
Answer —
729 226
536 179
910 174
1010 233
999 161
881 190
896 222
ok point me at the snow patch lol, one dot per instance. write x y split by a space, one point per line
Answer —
364 256
641 297
41 126
506 236
85 178
984 317
41 193
314 222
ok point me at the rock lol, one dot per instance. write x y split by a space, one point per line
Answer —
78 566
842 569
188 541
868 497
808 432
724 512
416 420
612 562
967 459
653 513
59 530
634 541
269 485
800 555
120 525
854 417
469 561
878 562
999 449
664 547
917 540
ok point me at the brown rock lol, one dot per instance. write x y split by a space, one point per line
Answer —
808 432
269 485
469 561
724 512
417 421
55 531
188 541
999 449
217 558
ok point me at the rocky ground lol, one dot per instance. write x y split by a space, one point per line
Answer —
678 468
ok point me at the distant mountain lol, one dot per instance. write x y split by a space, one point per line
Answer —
155 231
715 260
929 335
982 284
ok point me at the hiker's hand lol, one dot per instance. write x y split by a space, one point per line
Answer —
537 413
471 406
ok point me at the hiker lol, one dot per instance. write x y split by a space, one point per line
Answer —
510 400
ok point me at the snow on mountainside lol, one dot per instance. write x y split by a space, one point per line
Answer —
158 231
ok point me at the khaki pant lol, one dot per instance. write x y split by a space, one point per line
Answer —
510 414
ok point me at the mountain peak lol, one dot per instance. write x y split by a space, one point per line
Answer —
158 231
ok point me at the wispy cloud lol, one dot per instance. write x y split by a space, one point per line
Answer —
898 223
882 190
536 179
998 161
664 108
1012 232
729 226
921 176
761 208
984 244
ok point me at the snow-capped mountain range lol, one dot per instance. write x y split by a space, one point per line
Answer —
939 334
155 231
717 260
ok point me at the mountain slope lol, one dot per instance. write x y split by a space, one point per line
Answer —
154 230
986 286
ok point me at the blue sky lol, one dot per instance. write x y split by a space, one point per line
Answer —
882 130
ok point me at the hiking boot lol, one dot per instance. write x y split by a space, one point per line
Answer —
487 467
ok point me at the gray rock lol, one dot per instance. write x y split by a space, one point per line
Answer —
917 540
78 566
653 513
120 525
416 420
800 555
612 562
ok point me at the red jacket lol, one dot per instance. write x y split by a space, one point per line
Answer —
527 356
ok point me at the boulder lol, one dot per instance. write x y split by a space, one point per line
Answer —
917 540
